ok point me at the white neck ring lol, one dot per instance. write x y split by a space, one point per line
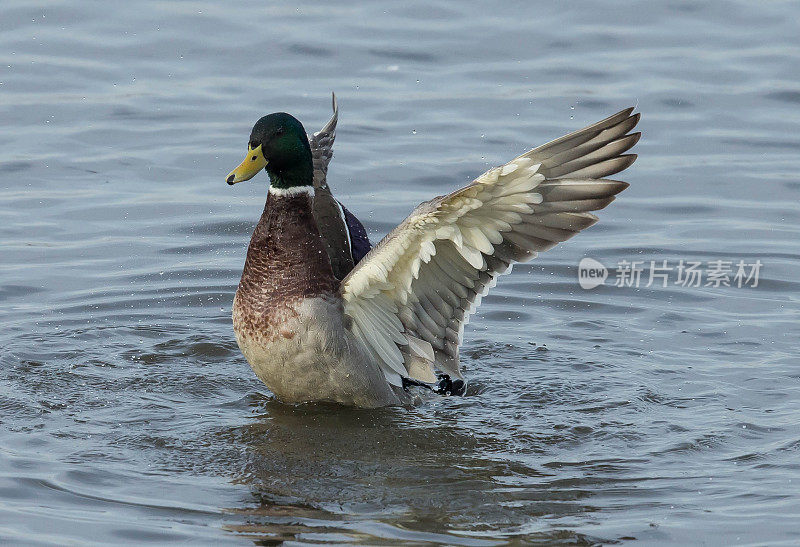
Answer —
291 191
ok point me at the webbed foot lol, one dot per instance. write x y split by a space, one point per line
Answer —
446 386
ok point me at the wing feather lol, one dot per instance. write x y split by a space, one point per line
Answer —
430 272
322 146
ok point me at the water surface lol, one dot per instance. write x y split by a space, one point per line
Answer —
661 414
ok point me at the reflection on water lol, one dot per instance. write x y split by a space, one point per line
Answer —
665 414
401 473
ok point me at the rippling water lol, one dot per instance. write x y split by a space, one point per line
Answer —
664 414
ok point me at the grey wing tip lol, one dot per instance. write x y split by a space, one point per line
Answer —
334 104
626 114
623 114
618 186
626 161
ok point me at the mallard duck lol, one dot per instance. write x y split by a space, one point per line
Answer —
321 315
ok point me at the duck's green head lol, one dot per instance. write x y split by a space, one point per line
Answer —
279 144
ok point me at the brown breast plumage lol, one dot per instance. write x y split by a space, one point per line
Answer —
286 262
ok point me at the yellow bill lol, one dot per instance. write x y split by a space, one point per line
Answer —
252 164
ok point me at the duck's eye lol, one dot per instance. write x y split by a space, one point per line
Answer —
279 132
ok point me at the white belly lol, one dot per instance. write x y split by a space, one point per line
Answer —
309 355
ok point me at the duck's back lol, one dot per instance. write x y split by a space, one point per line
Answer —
345 238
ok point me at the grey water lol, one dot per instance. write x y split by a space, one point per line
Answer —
657 411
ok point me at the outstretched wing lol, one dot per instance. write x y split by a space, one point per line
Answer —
322 146
329 213
411 296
